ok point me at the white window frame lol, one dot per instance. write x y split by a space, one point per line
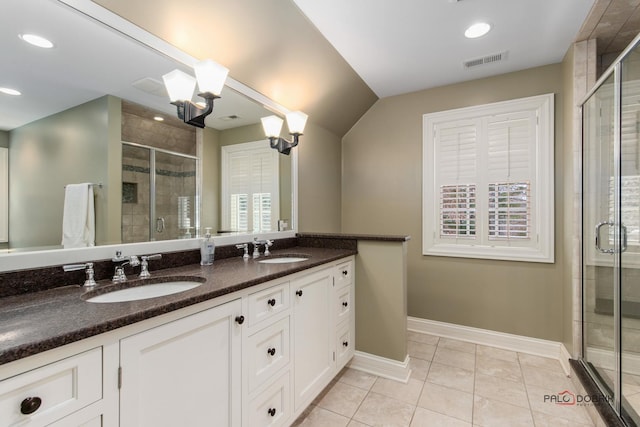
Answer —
540 247
256 147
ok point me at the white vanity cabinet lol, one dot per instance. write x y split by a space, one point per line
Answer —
184 373
267 357
345 319
254 358
314 358
53 392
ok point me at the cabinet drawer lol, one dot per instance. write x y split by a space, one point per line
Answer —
61 387
268 351
345 345
344 305
271 407
268 302
344 274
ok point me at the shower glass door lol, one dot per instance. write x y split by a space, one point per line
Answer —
629 218
611 236
599 273
159 194
175 197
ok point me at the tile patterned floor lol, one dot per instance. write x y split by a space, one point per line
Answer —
453 384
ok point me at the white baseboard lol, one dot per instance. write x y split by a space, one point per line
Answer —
519 343
381 366
604 359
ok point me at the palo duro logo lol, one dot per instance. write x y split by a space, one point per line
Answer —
564 398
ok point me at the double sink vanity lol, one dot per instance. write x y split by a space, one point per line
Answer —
246 343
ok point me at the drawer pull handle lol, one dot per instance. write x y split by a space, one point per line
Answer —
239 320
299 292
30 405
345 304
272 302
345 273
271 351
345 343
272 411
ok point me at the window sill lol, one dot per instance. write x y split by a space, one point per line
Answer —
491 252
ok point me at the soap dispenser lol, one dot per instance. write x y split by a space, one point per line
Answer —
207 248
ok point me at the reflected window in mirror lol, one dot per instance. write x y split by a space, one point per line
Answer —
250 188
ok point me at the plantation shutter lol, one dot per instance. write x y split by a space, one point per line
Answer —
456 155
511 144
239 189
251 188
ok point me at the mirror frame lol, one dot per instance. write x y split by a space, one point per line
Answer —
34 259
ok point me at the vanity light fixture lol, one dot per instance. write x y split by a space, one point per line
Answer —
477 30
210 77
272 125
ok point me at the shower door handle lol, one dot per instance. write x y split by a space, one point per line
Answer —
160 225
612 250
598 246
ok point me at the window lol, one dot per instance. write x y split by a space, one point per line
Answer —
488 181
250 187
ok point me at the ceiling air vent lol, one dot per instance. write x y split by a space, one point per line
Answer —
496 57
150 85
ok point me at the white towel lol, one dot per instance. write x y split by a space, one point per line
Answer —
78 220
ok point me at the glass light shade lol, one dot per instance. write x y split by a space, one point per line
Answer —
211 76
180 85
296 120
272 126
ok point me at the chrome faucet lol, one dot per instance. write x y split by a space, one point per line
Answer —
89 271
118 274
144 266
256 247
244 246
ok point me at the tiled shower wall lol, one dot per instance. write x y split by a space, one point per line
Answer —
175 176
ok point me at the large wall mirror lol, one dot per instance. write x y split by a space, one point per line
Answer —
93 109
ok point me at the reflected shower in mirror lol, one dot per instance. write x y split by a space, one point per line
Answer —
94 109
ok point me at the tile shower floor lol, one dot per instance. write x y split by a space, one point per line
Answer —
453 383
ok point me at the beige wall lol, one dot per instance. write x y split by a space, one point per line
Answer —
4 139
210 206
319 180
382 194
381 293
45 155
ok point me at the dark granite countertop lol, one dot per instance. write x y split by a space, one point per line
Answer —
36 322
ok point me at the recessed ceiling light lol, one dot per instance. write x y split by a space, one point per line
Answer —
158 119
9 91
35 40
477 30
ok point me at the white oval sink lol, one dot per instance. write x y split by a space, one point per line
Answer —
153 290
282 260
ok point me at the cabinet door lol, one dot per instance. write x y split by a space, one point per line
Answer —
313 337
184 373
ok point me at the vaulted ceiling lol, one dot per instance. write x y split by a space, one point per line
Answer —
334 59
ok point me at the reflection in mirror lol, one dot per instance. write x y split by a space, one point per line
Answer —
94 109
